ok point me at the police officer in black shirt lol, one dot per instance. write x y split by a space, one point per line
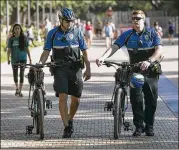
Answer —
144 46
67 43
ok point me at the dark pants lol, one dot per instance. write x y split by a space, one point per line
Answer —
149 93
15 72
68 81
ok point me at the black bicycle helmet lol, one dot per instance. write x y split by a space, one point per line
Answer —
66 14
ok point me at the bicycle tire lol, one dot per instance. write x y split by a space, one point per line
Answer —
117 112
35 112
40 108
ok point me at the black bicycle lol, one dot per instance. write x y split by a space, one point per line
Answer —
38 103
120 98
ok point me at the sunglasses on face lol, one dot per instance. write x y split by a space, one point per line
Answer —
68 21
136 18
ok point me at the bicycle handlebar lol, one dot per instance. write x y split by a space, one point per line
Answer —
38 66
133 67
123 64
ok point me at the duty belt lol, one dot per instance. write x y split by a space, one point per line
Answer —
69 64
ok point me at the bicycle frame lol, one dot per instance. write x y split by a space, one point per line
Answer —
37 105
120 96
124 85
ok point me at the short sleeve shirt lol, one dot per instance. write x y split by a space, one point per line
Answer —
17 54
140 46
73 38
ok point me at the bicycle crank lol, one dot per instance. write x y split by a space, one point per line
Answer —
29 129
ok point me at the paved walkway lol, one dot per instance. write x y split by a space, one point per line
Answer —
93 126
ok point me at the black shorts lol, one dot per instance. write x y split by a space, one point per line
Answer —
171 32
68 81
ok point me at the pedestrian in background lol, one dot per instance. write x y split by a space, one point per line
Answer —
89 33
30 35
48 26
158 29
99 28
171 32
18 50
108 31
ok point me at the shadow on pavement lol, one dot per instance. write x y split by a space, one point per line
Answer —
91 120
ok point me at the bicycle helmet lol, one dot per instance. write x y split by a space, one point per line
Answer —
137 80
66 14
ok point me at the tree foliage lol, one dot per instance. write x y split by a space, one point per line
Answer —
81 8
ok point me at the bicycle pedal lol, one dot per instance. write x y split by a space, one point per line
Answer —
48 104
32 114
29 129
45 112
126 129
127 126
108 106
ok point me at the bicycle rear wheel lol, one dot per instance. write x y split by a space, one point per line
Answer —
118 112
40 115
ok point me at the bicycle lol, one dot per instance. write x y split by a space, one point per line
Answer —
120 94
38 103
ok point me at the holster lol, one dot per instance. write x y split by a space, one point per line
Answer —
155 68
82 62
51 69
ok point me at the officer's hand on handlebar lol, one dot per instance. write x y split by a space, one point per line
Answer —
99 61
39 64
144 65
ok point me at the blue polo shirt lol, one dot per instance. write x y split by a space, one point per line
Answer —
74 38
66 45
140 46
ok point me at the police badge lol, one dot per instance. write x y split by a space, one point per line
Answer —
71 36
146 37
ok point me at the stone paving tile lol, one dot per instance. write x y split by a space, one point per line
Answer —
93 126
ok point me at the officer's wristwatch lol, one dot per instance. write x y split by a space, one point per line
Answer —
149 60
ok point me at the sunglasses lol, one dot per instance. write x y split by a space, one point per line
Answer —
68 21
136 18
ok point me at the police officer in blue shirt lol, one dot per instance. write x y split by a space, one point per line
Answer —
67 43
144 46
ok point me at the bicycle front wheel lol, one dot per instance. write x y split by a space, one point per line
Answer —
40 110
117 112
